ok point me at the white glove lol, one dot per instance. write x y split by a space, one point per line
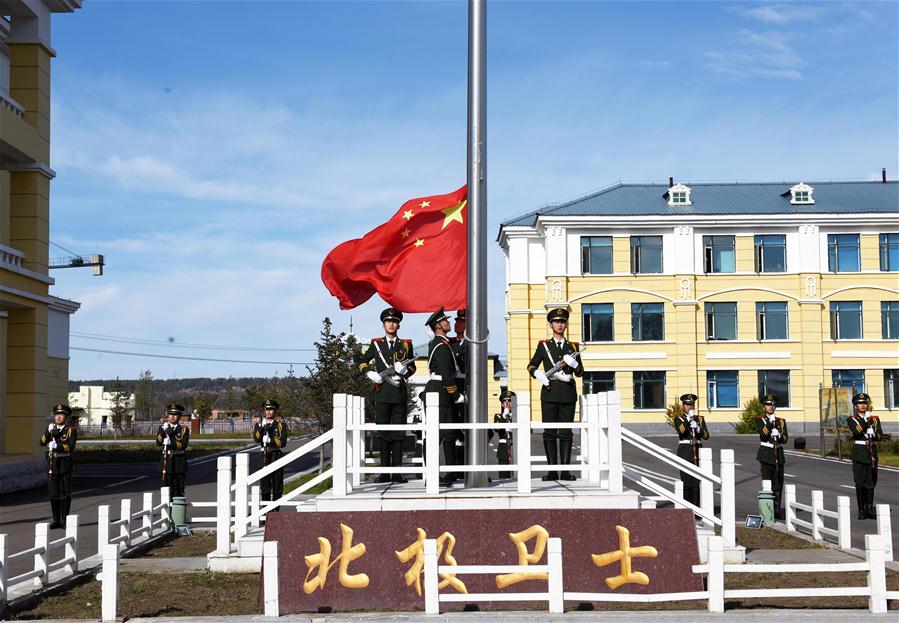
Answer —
374 377
266 440
540 375
400 369
506 412
775 433
562 376
690 413
52 445
460 399
870 431
51 429
167 441
772 418
694 425
571 361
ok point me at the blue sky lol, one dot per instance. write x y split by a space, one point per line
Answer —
216 151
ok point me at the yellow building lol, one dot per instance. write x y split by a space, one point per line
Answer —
33 324
722 290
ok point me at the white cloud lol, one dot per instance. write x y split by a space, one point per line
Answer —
782 14
762 54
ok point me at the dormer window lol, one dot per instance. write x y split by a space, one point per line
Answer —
679 195
801 194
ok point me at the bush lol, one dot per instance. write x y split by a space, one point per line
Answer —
752 410
675 409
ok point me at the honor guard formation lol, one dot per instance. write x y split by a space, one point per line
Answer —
271 435
173 439
59 439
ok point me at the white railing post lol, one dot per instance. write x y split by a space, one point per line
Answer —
270 578
679 489
594 406
223 505
255 502
432 443
241 502
817 507
706 487
554 561
877 579
165 513
125 525
41 540
110 583
715 579
432 597
728 500
884 529
338 445
789 501
357 448
71 548
102 528
616 481
3 574
845 536
146 523
523 442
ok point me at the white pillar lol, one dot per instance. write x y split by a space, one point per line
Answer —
255 499
884 530
523 442
357 454
432 443
817 506
125 525
223 506
146 523
110 583
241 475
716 574
706 487
3 575
165 513
594 407
432 600
338 445
555 588
845 536
41 540
102 528
728 499
616 482
71 548
877 579
270 578
789 501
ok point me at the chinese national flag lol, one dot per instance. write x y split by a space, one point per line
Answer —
417 261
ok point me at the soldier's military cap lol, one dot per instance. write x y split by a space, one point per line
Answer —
769 399
559 313
436 317
391 313
861 397
173 408
61 408
461 314
688 399
271 404
506 395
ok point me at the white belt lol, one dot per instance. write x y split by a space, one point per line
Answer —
61 455
460 375
861 443
435 377
686 441
503 441
767 444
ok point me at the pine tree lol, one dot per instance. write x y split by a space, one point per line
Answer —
144 396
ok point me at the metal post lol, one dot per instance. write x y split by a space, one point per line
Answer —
477 238
821 418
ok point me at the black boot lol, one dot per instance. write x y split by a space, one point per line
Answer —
565 459
869 510
861 498
396 454
550 447
779 511
64 508
54 506
460 456
449 457
384 449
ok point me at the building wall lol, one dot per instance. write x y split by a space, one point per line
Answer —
97 404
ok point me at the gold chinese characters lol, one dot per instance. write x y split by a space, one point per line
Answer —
541 536
417 551
624 553
322 563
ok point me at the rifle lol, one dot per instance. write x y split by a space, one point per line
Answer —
871 424
776 440
693 436
390 375
561 363
50 457
165 454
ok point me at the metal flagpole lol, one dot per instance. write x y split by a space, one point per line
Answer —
476 328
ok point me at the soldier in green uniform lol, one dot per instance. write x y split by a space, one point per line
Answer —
866 432
60 438
173 439
691 432
460 348
271 434
504 435
387 363
558 396
772 435
443 368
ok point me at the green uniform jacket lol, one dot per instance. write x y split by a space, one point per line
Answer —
683 428
442 362
65 444
177 460
277 431
548 354
858 426
460 350
765 454
374 358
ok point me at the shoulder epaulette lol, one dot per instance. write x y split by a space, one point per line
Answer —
574 344
545 341
407 341
377 339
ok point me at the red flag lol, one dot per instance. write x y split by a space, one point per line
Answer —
417 261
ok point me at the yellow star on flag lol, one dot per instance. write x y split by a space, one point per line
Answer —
425 204
453 213
407 215
405 233
419 243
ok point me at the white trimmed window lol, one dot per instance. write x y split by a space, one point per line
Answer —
801 194
679 195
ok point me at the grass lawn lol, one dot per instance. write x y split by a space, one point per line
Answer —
141 453
319 488
196 545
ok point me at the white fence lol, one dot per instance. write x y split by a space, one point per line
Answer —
133 529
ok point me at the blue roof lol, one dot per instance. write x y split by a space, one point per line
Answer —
725 198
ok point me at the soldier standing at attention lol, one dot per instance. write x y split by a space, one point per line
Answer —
691 432
773 435
460 348
558 396
866 432
60 438
271 435
390 359
443 368
173 439
504 435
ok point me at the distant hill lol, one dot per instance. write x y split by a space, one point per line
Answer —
199 385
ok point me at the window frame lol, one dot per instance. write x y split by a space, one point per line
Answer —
886 241
587 324
833 253
586 262
637 255
712 394
836 312
888 309
838 372
761 317
642 384
708 254
587 381
760 245
764 386
640 314
711 323
891 388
